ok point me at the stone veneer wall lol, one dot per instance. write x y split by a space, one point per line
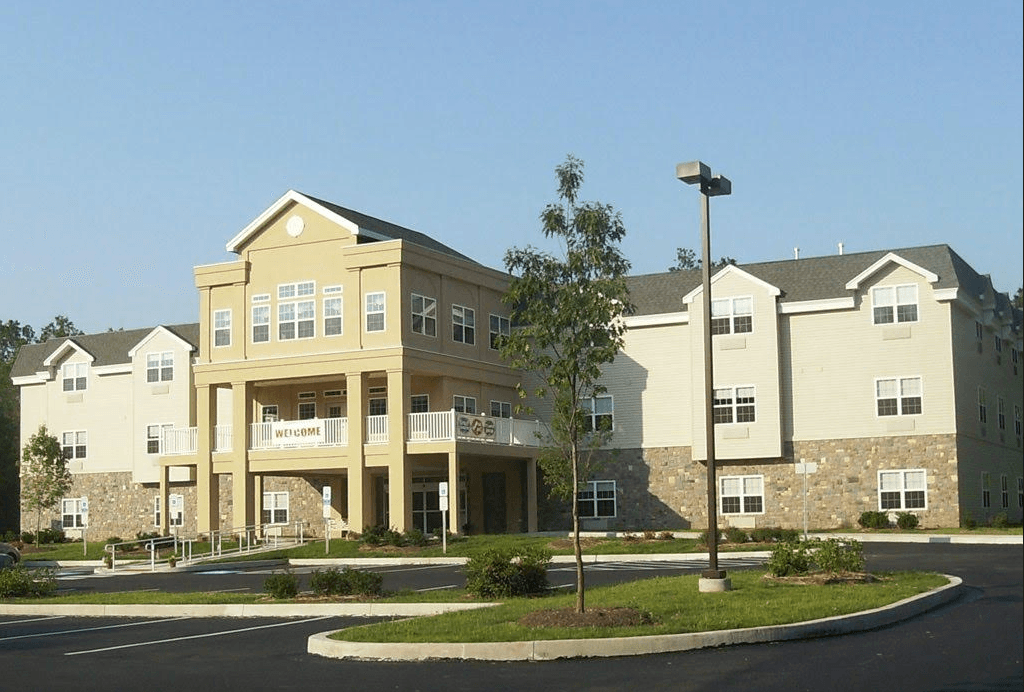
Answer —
662 488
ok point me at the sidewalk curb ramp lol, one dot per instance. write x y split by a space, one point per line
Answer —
547 650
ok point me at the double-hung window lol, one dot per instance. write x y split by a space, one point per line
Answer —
261 318
74 444
464 404
75 376
222 328
898 396
734 405
1016 420
1004 491
986 489
375 312
160 367
598 412
424 315
894 304
596 500
333 311
903 489
982 404
1001 413
154 437
71 513
296 311
742 494
732 315
419 403
463 324
501 409
275 508
500 327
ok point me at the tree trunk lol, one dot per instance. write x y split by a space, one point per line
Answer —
577 546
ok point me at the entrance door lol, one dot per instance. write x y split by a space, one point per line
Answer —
494 503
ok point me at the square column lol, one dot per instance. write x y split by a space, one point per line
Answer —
242 486
207 482
359 487
453 493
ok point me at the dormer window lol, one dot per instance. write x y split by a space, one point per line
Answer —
160 367
732 316
894 304
75 376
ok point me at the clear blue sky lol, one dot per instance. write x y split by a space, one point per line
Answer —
136 139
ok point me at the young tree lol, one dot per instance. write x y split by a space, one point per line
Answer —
688 259
568 314
44 473
60 326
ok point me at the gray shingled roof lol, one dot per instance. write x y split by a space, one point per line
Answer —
813 278
107 348
390 230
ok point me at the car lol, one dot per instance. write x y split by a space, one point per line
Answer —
9 555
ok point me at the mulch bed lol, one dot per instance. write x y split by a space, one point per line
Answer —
826 578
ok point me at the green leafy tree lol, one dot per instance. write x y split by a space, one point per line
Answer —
13 335
688 259
568 314
44 474
1018 299
60 326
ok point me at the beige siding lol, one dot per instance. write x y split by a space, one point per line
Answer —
832 360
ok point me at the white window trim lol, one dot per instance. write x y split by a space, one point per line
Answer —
160 368
299 296
160 428
592 488
275 501
340 317
731 313
735 405
220 328
76 512
264 322
743 495
75 444
899 380
503 405
465 404
589 406
902 490
425 314
425 397
79 377
467 321
382 311
896 304
504 329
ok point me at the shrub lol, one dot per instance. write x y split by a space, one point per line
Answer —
703 538
380 535
1000 521
836 556
28 537
735 535
332 582
968 521
789 558
282 585
112 539
413 536
143 536
504 573
906 521
874 520
22 581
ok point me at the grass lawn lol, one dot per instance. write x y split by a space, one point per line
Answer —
673 605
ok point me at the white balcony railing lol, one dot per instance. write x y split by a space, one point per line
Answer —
435 426
446 426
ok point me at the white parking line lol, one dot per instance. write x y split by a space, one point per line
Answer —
197 636
90 629
18 622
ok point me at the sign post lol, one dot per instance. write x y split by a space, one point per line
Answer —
327 519
804 468
442 501
85 525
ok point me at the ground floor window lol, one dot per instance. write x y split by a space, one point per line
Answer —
1004 489
597 500
71 513
1020 492
275 508
904 489
986 490
742 494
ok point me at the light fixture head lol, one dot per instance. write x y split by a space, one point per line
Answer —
693 172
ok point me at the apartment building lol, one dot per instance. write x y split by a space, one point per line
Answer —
345 367
342 366
886 381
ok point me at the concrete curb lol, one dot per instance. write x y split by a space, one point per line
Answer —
281 610
547 650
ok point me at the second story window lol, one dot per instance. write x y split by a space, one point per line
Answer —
424 315
419 403
74 444
598 412
464 404
160 367
500 327
982 405
375 312
894 304
75 376
898 396
332 311
463 324
260 324
222 328
296 311
734 405
732 316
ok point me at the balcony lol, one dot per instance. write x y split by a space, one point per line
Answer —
438 426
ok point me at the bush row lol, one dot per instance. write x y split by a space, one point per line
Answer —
22 581
797 557
329 582
760 535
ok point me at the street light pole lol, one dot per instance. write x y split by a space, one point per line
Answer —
696 172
